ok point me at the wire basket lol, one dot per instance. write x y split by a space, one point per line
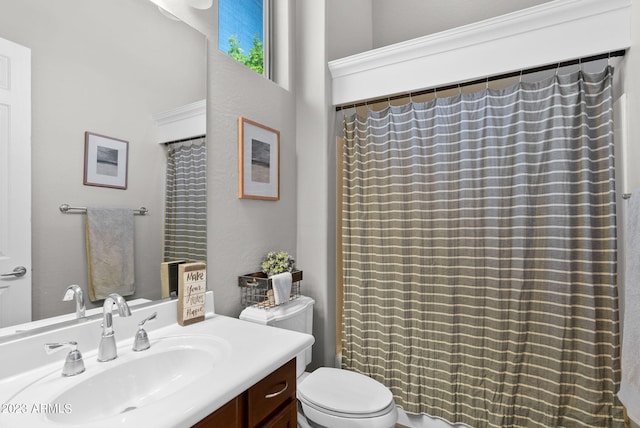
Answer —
257 289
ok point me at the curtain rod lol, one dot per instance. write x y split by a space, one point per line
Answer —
184 140
483 80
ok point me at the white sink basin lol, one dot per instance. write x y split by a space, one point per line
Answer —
111 390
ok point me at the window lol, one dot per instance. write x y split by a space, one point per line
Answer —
243 32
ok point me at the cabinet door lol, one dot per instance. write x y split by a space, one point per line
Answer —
272 393
231 415
286 418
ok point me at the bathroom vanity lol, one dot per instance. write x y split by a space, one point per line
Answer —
219 372
269 403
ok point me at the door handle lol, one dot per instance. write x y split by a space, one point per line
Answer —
17 272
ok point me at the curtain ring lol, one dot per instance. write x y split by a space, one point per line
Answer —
459 89
410 97
520 80
557 68
435 92
487 83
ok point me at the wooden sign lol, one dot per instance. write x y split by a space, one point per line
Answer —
192 286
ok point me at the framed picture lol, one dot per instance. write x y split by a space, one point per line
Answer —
258 161
105 161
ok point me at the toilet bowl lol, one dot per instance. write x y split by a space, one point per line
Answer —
328 397
340 398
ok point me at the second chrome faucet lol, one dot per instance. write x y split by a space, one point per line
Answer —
75 290
107 350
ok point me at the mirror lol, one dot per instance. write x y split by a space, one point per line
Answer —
103 66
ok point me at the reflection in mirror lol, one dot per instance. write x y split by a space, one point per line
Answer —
102 66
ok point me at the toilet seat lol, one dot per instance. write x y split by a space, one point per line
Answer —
330 395
314 406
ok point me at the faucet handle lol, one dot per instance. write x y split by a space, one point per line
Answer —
141 341
73 364
149 318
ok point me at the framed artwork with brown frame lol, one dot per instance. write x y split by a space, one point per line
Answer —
105 161
258 161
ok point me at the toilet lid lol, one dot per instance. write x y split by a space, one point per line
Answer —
343 391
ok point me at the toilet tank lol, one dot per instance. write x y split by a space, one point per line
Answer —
296 315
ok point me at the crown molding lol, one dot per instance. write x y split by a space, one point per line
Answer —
187 111
182 122
552 32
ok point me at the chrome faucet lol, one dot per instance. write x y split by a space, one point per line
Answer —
107 350
77 291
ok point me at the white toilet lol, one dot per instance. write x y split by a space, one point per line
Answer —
329 397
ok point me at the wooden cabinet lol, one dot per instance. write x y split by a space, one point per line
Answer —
270 403
232 414
285 418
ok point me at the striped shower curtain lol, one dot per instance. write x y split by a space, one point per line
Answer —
185 230
479 252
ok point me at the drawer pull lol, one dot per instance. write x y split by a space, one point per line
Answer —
275 394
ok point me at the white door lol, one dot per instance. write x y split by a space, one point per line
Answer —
15 183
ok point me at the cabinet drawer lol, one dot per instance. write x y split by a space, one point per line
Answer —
286 418
272 393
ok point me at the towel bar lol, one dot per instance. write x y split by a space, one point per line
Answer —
66 208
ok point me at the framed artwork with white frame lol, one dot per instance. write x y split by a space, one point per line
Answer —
258 161
105 161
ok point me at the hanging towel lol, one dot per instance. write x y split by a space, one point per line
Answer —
281 283
109 236
630 383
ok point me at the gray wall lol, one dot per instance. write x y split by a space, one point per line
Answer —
400 20
316 196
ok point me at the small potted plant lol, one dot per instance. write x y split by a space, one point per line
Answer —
277 262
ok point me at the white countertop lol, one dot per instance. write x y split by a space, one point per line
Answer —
254 352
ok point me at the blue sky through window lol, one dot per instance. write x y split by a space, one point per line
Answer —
243 18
